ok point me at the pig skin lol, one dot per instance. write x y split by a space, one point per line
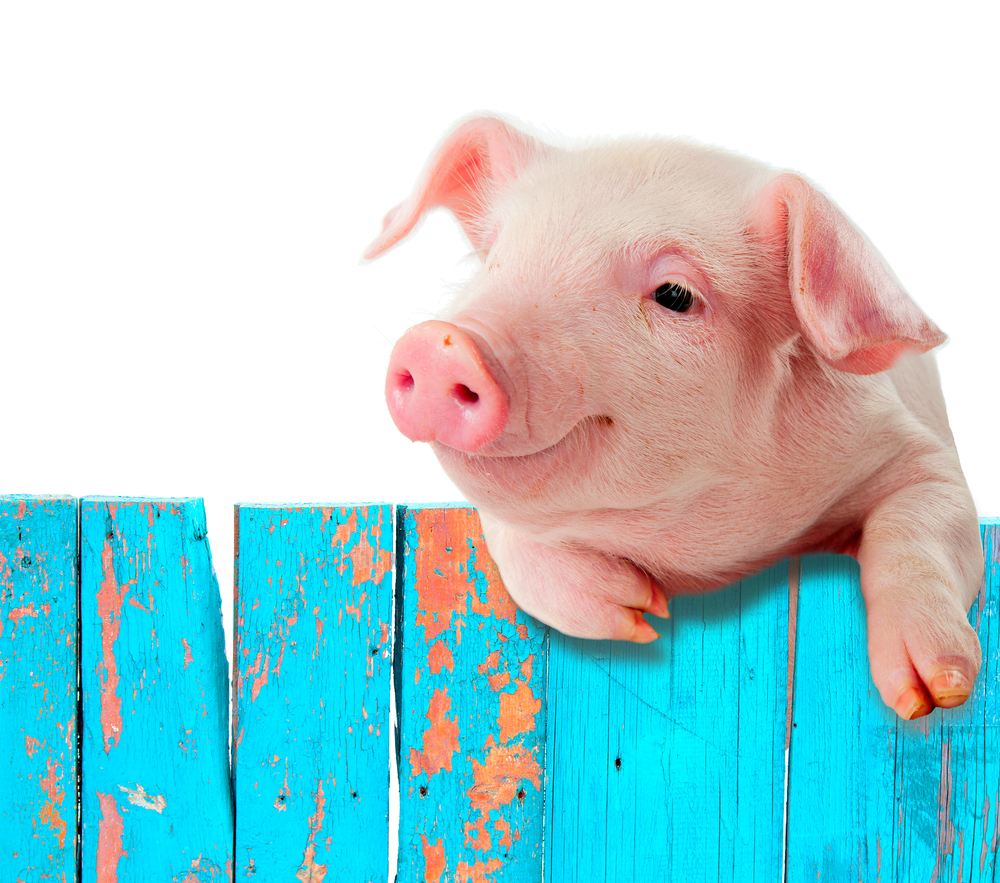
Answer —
644 452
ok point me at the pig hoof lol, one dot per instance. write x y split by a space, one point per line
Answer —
926 663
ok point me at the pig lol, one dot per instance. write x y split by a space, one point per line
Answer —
673 367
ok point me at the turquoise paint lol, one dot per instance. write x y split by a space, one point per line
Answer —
155 789
471 710
666 761
872 797
38 688
696 721
313 595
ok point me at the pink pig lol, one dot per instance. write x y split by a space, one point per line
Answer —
674 367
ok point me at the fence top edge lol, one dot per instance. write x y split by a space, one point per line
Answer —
984 521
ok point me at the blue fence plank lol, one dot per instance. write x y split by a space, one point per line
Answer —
872 797
38 688
666 761
470 700
311 687
155 791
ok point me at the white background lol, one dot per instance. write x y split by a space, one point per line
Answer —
186 189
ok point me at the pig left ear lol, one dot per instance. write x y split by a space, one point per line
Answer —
849 304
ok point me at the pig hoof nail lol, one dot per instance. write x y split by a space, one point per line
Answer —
657 605
642 631
912 705
950 688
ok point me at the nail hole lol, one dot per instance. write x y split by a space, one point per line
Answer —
423 790
618 763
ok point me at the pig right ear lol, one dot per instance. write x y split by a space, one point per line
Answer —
471 166
849 304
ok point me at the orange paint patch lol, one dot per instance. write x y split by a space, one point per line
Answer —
499 681
342 535
49 813
109 610
439 657
31 745
503 827
440 739
310 871
517 712
188 658
369 564
433 860
440 562
18 613
476 835
109 840
498 603
498 779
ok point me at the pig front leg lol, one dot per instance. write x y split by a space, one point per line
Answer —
921 563
580 593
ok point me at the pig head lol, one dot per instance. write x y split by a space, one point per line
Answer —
675 366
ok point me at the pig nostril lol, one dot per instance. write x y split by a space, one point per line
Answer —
463 395
405 382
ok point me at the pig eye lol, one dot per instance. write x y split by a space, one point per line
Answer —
674 296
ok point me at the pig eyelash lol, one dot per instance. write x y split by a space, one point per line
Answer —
674 297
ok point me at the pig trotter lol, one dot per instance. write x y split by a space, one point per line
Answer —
921 566
580 593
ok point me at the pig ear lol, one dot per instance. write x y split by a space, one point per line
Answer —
474 163
849 304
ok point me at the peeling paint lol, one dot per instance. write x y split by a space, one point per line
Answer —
440 738
310 870
49 813
109 610
434 860
18 613
110 832
499 777
439 657
517 712
139 797
492 661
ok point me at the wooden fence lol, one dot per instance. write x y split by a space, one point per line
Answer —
735 748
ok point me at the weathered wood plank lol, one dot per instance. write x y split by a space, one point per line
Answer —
155 792
312 667
470 700
872 797
38 688
666 761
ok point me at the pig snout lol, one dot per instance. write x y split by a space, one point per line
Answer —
439 388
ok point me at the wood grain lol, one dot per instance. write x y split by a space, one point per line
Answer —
666 760
872 797
471 688
156 796
38 688
311 692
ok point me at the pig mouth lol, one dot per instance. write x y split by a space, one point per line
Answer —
585 428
